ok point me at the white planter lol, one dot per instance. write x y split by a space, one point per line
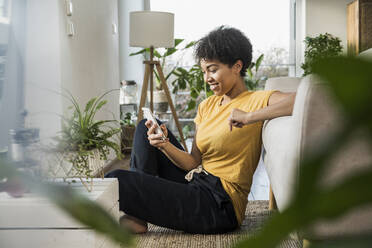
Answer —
160 101
64 168
40 223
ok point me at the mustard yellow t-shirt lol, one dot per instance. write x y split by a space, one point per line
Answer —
231 156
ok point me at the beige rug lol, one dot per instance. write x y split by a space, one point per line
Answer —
257 212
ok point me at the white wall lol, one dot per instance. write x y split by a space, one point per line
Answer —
90 58
300 34
86 64
43 67
319 16
327 16
12 101
131 67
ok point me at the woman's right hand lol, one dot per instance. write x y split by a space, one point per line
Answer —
156 140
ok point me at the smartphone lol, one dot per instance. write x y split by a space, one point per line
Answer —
150 116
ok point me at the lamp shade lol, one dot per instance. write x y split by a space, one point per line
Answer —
151 28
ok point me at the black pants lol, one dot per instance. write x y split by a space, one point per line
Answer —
155 190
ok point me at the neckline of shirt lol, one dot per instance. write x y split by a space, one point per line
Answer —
226 104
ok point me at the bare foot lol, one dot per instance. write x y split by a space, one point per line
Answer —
134 224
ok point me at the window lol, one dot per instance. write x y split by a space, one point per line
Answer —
4 21
5 11
267 23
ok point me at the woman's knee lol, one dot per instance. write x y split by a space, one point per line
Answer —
114 174
141 127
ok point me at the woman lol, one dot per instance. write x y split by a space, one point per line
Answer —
168 186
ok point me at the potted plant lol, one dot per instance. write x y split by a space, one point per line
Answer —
160 98
127 135
193 79
251 80
320 47
84 143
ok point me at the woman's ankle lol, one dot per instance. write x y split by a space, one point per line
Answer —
134 224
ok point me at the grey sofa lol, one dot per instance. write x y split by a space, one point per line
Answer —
315 117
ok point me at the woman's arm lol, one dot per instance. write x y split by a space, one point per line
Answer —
280 104
180 158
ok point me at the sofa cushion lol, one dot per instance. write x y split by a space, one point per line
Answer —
280 141
278 156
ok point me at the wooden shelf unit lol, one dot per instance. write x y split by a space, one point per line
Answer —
359 26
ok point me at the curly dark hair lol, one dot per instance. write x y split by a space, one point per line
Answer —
227 45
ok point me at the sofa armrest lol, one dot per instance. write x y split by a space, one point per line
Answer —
278 157
284 84
277 136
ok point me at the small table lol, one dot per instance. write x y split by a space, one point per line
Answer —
34 221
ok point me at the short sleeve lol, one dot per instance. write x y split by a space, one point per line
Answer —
266 96
198 118
199 115
260 99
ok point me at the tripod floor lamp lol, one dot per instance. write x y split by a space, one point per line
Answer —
150 29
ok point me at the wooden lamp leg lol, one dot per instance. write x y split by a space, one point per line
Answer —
174 113
272 201
144 92
306 243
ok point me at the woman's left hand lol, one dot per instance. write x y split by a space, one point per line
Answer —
238 118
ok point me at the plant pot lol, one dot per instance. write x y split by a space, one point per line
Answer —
127 136
160 101
59 165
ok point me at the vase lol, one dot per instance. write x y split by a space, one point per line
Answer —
127 136
160 101
59 165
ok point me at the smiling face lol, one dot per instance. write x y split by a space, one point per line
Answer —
221 78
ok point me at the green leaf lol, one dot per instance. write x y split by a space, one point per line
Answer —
139 52
177 42
259 61
170 51
209 93
350 79
190 44
89 104
249 72
157 54
194 94
99 106
191 105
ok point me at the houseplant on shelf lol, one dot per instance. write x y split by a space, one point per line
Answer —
128 128
160 99
84 143
193 80
320 47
